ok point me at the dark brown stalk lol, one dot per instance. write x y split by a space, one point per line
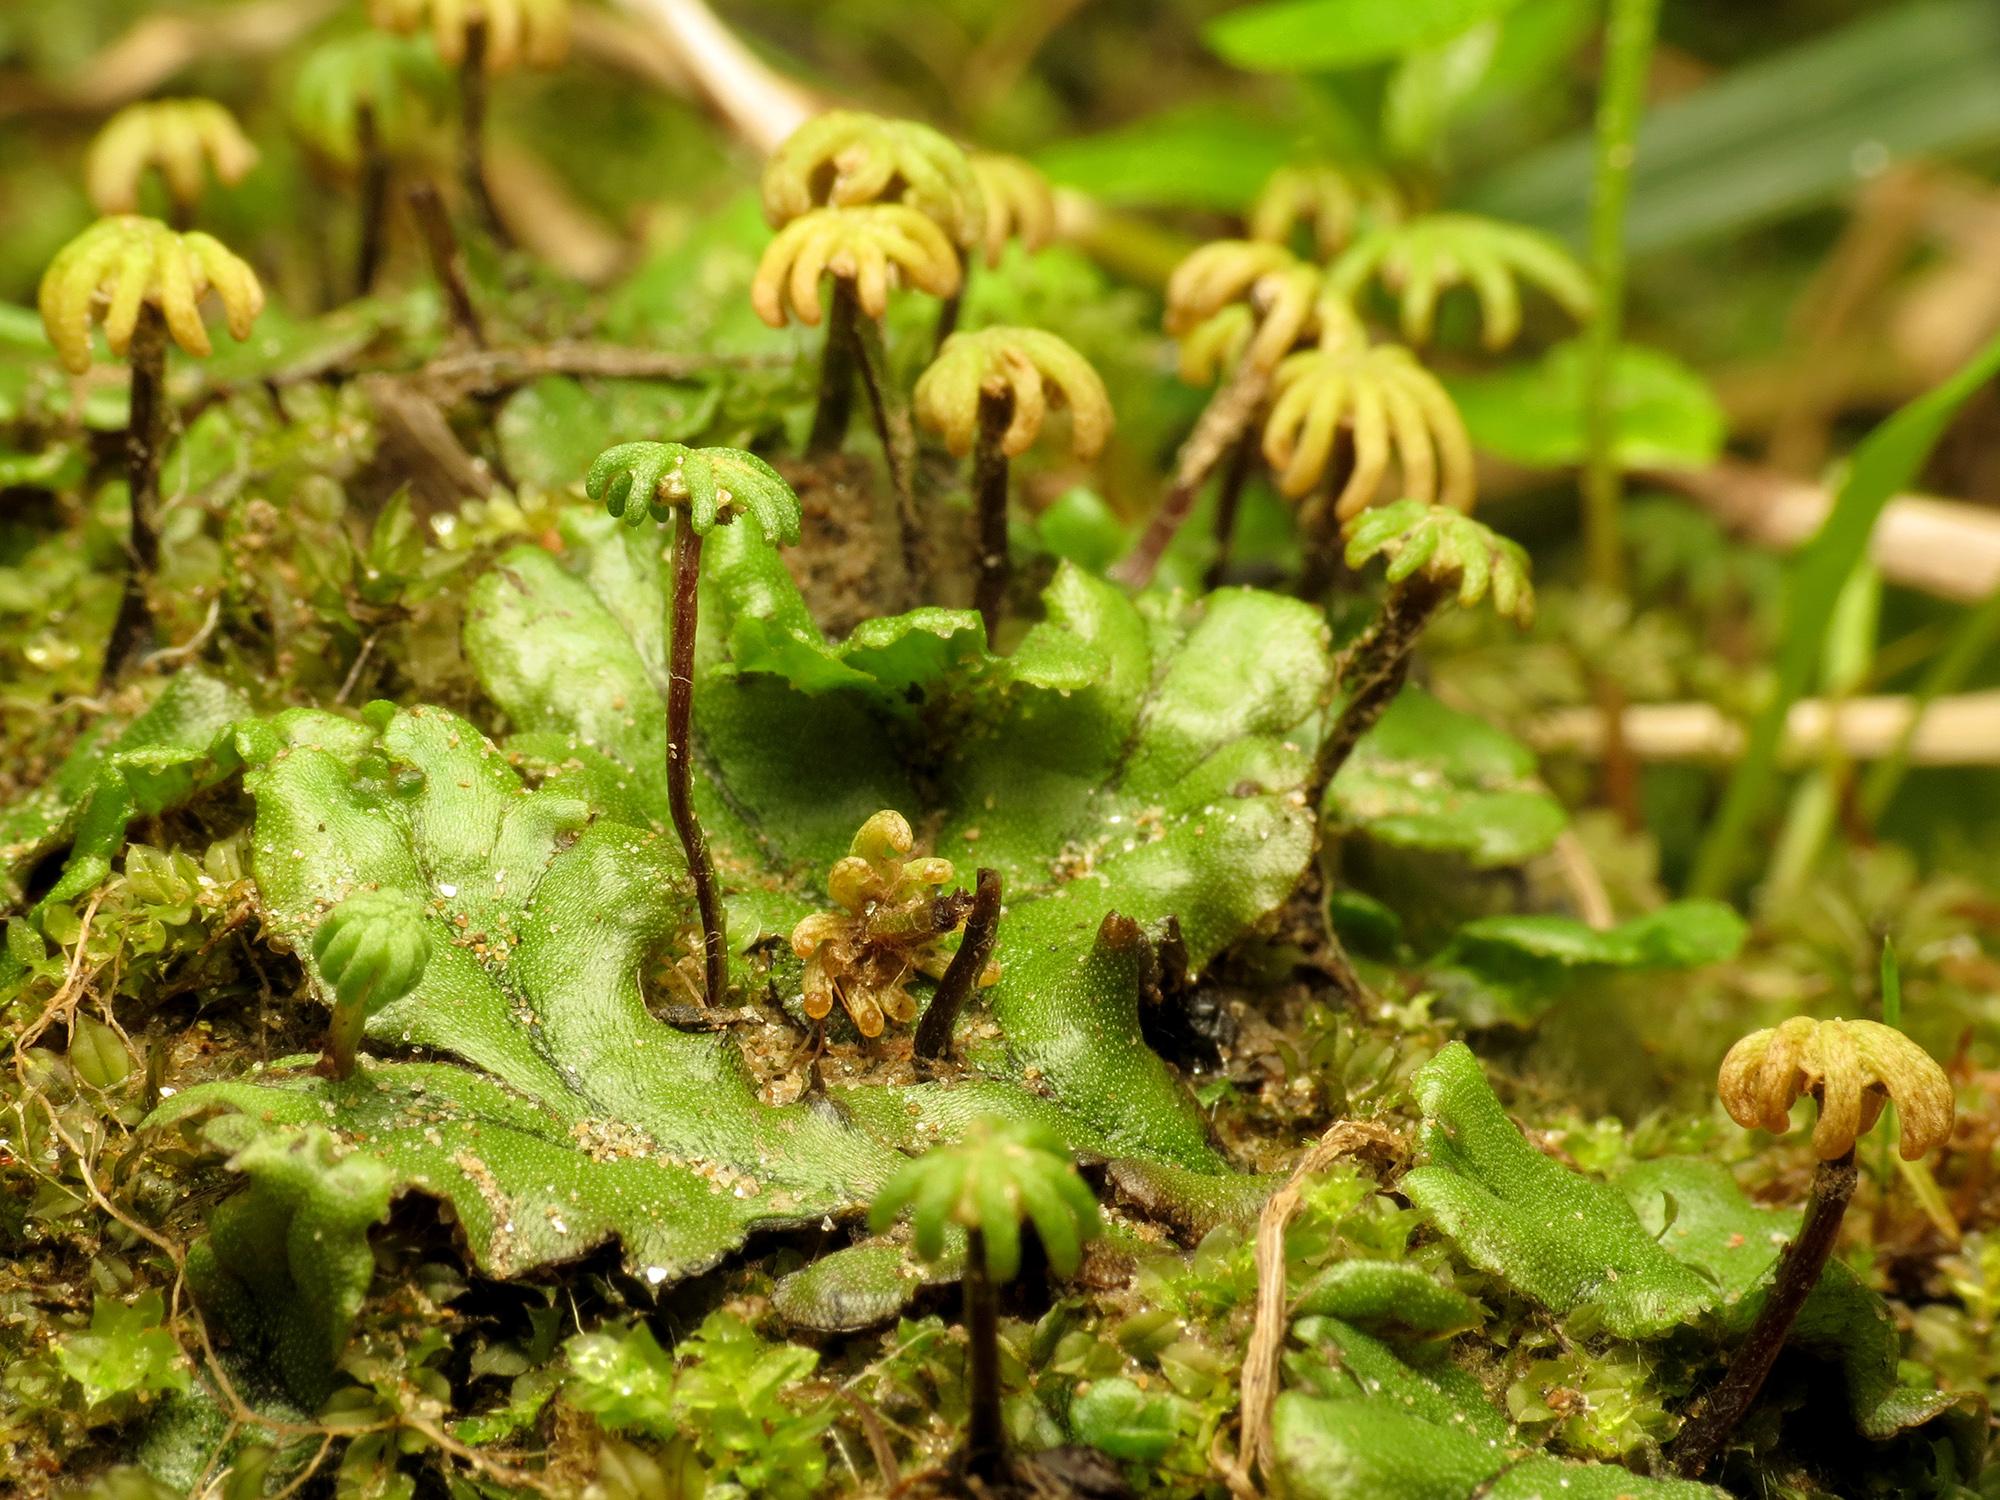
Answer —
472 132
447 259
1371 672
132 631
680 759
989 503
985 1440
1223 421
1619 768
898 434
835 407
374 200
961 975
1319 525
1228 501
949 309
1715 1415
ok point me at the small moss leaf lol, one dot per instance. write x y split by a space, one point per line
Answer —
1114 1416
97 1054
125 1355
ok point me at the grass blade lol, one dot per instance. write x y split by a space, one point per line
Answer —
1948 672
1886 462
1628 47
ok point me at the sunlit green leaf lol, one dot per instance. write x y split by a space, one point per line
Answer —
551 431
1519 964
1429 777
1213 156
1533 413
1305 36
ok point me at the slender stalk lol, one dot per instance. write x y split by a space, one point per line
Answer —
472 131
989 499
1371 672
835 407
132 631
1628 53
952 306
1618 780
898 434
343 1038
985 1441
1223 421
961 975
447 259
1716 1414
1228 501
1319 524
374 200
680 759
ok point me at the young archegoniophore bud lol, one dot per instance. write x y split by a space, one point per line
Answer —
1391 405
1281 291
1421 259
988 1182
120 265
390 80
847 158
182 139
1028 368
371 950
1454 552
1851 1068
1017 200
1434 553
530 32
712 486
1333 202
872 248
891 925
